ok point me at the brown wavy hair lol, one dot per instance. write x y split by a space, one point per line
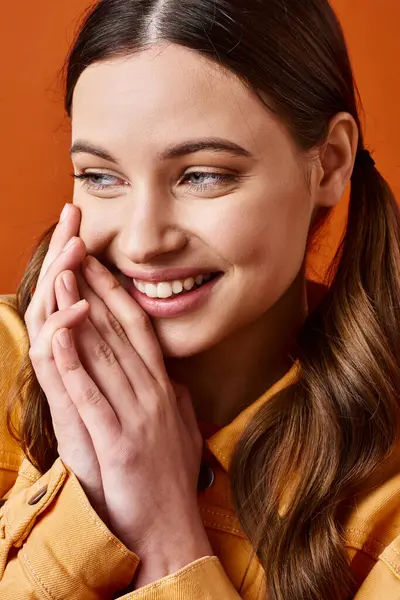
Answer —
339 422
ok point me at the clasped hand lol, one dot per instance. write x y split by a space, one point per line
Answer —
123 427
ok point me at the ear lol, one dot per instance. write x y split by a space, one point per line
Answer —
336 160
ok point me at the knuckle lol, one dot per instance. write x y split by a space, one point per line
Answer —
155 409
71 364
142 321
113 283
36 355
91 395
111 325
28 317
103 352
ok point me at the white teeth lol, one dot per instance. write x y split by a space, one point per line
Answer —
165 289
150 290
188 283
177 287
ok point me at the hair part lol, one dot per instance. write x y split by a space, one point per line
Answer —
293 55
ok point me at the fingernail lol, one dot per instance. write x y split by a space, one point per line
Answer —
67 281
65 212
64 338
79 304
92 264
70 243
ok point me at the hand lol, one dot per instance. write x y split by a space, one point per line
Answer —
142 425
75 446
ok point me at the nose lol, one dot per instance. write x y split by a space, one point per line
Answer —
151 230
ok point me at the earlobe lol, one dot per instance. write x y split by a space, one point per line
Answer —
337 156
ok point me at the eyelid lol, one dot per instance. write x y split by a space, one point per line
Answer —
219 177
103 172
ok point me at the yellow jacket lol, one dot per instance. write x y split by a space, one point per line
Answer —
54 546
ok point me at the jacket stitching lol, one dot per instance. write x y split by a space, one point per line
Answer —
363 532
177 575
219 514
11 468
10 460
383 556
46 503
8 453
395 551
395 567
218 453
27 475
374 540
366 547
223 527
30 566
101 526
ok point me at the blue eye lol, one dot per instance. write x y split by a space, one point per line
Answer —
104 181
89 180
215 177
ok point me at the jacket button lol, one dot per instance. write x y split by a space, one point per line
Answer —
206 478
38 496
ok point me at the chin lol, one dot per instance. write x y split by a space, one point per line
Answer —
182 343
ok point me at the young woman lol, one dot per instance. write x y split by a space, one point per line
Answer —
191 420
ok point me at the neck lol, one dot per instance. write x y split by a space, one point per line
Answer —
227 378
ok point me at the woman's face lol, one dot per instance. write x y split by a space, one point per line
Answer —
244 214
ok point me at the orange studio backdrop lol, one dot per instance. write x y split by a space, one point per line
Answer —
35 180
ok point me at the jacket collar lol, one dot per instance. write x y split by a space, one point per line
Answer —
222 443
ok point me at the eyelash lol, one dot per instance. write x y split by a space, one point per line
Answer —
220 177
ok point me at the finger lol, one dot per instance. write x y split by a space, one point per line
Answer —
67 227
96 412
63 411
66 288
75 445
96 355
41 354
43 302
111 331
135 322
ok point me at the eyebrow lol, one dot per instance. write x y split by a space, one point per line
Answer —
175 151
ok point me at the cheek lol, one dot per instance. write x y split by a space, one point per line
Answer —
97 228
264 229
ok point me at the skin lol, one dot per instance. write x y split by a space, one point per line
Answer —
125 396
156 220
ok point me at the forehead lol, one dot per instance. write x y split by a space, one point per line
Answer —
163 94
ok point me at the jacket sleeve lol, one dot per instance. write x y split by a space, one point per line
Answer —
383 578
203 579
53 545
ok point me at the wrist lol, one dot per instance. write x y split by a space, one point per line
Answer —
170 551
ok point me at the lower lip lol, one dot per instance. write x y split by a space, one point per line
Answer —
175 305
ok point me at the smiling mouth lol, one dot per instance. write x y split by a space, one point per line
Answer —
164 289
172 289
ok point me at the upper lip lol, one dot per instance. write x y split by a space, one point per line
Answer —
168 274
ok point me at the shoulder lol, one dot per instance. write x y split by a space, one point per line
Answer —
13 337
13 347
372 522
